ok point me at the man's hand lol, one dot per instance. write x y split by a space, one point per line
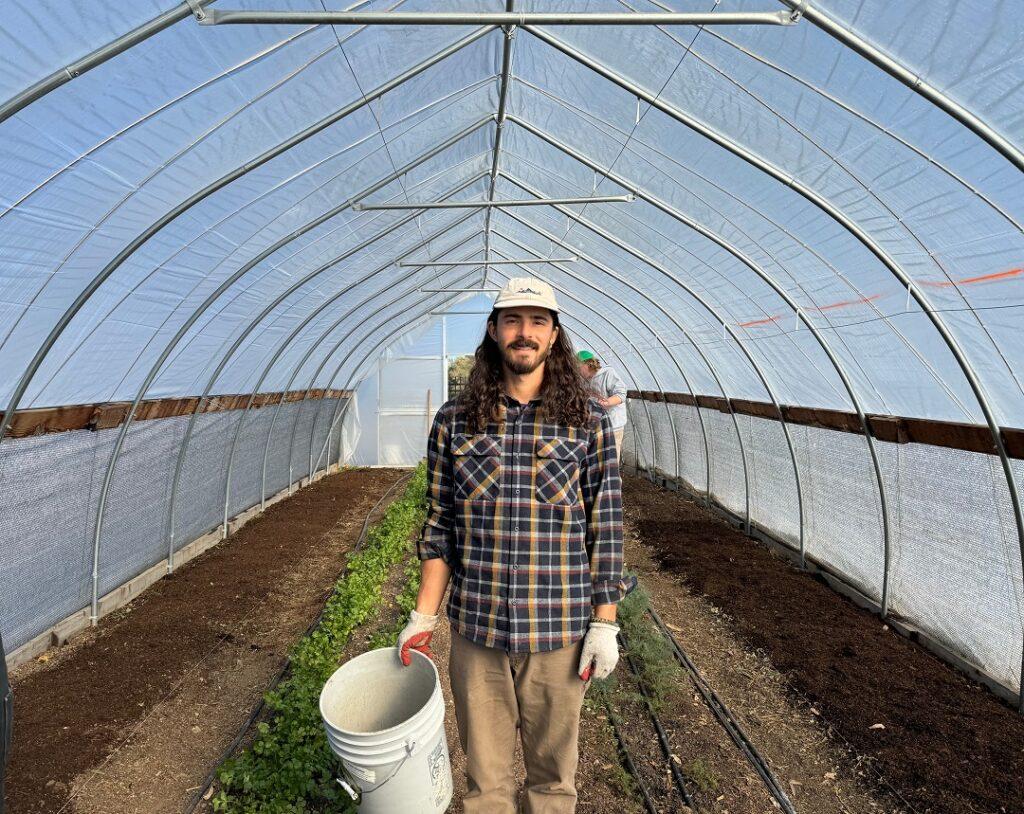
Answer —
416 636
600 651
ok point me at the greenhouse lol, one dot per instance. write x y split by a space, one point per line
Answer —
248 250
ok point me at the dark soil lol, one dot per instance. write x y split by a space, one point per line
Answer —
819 774
237 608
948 746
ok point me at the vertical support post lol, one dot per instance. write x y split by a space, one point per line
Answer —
499 119
330 440
376 423
341 436
444 358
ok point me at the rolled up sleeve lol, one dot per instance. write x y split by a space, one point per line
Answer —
618 387
602 499
435 540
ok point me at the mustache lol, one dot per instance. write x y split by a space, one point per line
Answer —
522 344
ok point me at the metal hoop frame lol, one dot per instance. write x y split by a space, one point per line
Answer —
786 297
845 221
295 333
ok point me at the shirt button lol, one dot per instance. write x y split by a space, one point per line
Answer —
515 528
515 567
512 602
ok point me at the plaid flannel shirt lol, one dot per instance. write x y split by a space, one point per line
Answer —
529 517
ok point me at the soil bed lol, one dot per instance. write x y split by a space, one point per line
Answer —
817 773
947 746
131 716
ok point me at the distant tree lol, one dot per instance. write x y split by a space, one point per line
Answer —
458 373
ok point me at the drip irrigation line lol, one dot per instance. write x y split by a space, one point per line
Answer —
627 760
726 718
366 523
879 777
211 777
677 773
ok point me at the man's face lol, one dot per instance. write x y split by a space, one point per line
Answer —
587 370
524 336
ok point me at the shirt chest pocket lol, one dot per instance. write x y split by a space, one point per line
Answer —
476 464
558 462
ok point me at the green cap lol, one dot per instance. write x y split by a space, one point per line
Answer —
585 355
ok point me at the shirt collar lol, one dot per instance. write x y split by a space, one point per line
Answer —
511 402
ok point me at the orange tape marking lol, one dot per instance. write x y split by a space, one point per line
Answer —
984 278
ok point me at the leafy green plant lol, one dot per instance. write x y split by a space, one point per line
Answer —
406 602
652 655
289 768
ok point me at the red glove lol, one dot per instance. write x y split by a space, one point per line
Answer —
416 636
421 642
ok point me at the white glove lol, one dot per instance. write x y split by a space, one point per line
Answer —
416 636
600 651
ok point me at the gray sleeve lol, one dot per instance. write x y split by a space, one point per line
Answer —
616 385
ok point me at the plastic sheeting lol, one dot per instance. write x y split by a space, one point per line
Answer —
788 189
94 162
48 514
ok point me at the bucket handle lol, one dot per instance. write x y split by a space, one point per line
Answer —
347 782
355 791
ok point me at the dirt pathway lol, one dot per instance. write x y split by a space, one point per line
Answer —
132 715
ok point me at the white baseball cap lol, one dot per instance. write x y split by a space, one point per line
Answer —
527 291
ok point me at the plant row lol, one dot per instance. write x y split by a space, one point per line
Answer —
289 767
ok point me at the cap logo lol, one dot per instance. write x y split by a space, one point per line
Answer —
526 291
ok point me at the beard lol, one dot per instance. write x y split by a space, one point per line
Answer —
518 366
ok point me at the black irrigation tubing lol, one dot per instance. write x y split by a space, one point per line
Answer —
698 680
197 798
666 748
627 760
726 719
366 523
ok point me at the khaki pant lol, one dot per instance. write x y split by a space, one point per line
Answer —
619 434
542 694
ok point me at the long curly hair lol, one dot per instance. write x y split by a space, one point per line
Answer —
565 395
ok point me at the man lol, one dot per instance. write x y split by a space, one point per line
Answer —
525 518
610 391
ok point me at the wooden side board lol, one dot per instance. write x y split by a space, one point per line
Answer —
107 415
895 429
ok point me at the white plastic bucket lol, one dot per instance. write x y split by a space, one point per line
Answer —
386 723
